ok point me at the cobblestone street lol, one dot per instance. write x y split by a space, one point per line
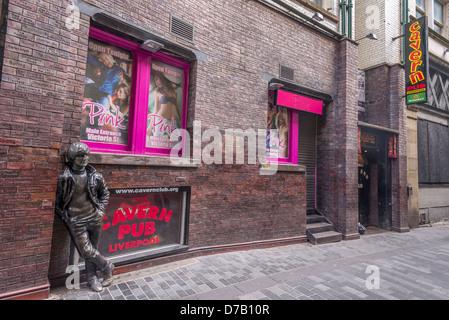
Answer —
381 266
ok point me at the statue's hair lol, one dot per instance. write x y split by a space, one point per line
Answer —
77 149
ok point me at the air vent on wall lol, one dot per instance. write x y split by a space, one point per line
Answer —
286 73
181 28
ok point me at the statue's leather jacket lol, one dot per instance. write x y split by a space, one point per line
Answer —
96 186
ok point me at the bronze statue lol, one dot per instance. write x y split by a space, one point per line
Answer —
81 200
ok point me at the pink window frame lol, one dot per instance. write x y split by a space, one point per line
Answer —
137 124
292 141
178 64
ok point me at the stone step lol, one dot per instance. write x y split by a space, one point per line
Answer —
320 230
326 237
314 218
320 227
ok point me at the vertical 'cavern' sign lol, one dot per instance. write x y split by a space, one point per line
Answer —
416 61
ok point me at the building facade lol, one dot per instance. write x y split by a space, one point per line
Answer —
216 125
382 115
428 123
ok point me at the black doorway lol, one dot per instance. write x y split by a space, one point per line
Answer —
374 173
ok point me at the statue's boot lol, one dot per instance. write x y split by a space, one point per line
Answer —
107 274
92 279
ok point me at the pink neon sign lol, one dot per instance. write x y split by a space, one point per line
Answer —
295 101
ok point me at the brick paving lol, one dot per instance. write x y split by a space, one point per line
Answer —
413 265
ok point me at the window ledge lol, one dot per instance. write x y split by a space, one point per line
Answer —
141 160
284 167
322 10
138 160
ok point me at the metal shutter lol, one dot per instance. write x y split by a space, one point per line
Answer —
307 152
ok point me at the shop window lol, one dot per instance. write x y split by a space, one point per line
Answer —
282 133
438 16
134 100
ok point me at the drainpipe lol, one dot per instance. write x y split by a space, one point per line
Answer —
404 22
343 17
350 19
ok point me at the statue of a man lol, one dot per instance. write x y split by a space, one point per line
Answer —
81 200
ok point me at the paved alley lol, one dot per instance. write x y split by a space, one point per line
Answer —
381 266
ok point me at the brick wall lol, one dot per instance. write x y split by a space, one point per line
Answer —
378 103
41 92
33 98
337 148
230 203
398 115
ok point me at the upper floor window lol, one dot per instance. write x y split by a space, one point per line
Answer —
420 8
421 4
319 3
438 16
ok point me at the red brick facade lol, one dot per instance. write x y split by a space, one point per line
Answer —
337 148
232 205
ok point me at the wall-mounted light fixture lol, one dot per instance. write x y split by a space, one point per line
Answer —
370 36
445 51
151 45
275 85
318 17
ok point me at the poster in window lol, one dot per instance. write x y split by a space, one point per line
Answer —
278 120
107 90
392 146
164 105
